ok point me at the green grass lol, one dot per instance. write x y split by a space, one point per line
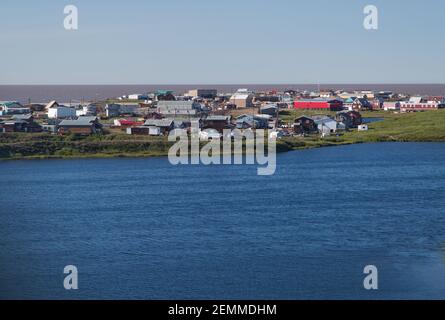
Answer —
426 126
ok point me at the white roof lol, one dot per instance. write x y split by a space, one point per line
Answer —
415 100
52 104
240 96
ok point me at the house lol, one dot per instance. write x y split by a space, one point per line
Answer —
36 107
391 106
56 111
144 130
271 97
385 95
164 125
13 126
327 94
326 125
202 93
361 104
51 104
50 128
13 107
304 125
217 122
116 110
81 126
270 109
20 123
347 103
242 99
137 97
88 110
246 121
31 125
124 123
320 104
181 108
351 119
164 95
367 94
420 104
346 95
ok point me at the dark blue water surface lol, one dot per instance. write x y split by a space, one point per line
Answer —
144 229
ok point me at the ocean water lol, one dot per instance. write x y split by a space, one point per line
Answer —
144 229
67 93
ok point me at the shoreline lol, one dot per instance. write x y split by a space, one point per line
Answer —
165 155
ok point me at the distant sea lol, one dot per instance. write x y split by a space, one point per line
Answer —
67 93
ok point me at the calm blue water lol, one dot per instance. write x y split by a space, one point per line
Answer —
143 229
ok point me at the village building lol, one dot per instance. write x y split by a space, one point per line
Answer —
20 123
270 109
31 125
420 104
56 111
391 105
125 123
144 130
351 119
164 95
81 126
217 122
242 99
385 95
36 107
164 125
13 107
137 96
88 110
361 104
329 94
272 97
180 108
326 125
320 104
202 93
121 109
304 125
247 121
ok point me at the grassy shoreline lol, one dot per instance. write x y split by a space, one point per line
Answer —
415 127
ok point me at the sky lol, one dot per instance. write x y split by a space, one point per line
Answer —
221 42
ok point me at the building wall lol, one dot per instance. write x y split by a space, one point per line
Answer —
410 106
61 112
311 105
243 103
77 130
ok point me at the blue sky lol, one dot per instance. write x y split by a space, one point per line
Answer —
221 42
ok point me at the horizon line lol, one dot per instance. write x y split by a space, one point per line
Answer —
226 84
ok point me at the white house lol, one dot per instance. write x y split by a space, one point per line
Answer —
390 105
89 110
327 125
61 112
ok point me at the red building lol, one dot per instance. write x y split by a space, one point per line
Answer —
323 104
